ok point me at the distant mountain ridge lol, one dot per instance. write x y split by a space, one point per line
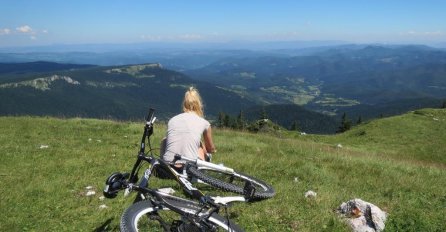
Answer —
126 92
335 79
121 92
366 81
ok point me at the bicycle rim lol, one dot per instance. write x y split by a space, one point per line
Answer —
144 216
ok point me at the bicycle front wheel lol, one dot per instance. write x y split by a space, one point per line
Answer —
145 216
234 182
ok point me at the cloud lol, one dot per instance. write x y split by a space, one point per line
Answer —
5 31
24 29
152 37
434 33
190 37
184 37
425 33
33 37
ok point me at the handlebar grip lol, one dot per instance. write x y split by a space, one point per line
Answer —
150 115
176 158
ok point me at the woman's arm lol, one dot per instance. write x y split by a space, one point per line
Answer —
208 142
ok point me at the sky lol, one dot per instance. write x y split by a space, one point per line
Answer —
48 22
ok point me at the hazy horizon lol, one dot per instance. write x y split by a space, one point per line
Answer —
49 23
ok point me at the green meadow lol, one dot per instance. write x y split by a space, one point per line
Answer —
396 163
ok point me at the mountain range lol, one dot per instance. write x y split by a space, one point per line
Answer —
121 92
311 86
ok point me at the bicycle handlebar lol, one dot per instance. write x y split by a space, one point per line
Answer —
150 115
148 129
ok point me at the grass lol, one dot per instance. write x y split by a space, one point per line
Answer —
417 136
44 189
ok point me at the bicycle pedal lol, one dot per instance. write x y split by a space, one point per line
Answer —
249 190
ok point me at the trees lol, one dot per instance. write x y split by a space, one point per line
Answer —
263 114
359 120
221 120
294 126
241 123
345 124
234 122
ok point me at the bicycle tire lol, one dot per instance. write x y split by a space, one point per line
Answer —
232 182
132 215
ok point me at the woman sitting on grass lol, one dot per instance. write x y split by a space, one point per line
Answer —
185 131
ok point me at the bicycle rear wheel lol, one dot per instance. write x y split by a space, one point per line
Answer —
234 182
145 216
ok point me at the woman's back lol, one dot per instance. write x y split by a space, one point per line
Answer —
184 133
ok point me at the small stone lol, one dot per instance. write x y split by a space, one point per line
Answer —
310 194
43 146
339 145
103 206
90 193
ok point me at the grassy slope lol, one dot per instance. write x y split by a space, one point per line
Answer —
418 136
43 189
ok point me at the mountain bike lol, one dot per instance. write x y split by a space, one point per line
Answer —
155 203
195 170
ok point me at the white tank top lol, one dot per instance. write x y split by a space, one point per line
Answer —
183 137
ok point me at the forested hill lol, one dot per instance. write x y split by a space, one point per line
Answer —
121 92
363 82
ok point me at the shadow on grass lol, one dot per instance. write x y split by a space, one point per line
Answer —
106 226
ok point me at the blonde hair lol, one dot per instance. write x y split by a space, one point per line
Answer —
192 102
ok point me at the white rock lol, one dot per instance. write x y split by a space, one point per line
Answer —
101 198
310 194
89 187
339 145
90 193
103 206
296 179
89 139
363 216
43 146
